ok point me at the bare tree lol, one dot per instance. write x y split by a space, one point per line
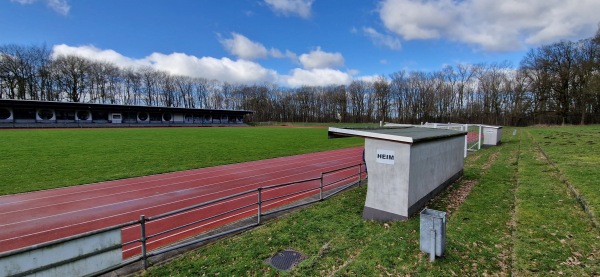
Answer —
585 76
201 91
185 91
167 90
22 71
132 87
383 97
150 85
71 74
105 80
357 91
398 90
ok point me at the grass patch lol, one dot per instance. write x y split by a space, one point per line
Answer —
574 150
518 219
43 159
553 235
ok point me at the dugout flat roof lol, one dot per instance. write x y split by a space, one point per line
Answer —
399 134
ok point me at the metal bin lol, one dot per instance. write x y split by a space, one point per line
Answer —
433 232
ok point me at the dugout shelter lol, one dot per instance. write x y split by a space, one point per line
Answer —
407 166
491 135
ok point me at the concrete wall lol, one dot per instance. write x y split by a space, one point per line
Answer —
388 184
491 135
99 251
431 165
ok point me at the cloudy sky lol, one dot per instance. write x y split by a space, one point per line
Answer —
295 42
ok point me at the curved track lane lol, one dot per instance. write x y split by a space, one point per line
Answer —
32 218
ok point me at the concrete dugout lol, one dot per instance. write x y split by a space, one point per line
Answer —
491 135
407 166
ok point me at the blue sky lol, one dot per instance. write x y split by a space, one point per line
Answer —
295 42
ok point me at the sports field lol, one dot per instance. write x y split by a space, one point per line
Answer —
43 159
528 207
514 213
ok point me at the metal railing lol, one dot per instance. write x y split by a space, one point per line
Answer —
229 214
474 136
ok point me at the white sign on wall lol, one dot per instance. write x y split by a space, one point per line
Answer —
385 156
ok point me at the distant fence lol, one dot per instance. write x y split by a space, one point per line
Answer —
474 133
473 139
102 251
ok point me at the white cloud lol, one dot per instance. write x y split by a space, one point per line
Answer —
317 77
369 78
321 59
224 69
490 24
244 48
301 8
381 39
275 53
353 71
93 53
59 6
24 2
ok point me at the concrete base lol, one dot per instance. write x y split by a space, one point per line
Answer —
490 145
379 215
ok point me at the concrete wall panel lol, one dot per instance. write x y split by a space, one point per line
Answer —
432 164
387 183
41 257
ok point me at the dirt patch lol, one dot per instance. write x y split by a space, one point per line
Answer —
491 160
337 269
459 195
473 158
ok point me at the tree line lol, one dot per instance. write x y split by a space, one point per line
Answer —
557 83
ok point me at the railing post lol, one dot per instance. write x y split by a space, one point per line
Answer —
259 205
321 187
479 145
359 174
466 142
143 240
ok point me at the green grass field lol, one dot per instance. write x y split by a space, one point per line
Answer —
511 214
528 207
43 159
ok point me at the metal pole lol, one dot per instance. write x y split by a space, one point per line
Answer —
321 187
143 240
259 204
479 145
359 174
466 143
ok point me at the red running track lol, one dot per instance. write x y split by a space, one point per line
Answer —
32 218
